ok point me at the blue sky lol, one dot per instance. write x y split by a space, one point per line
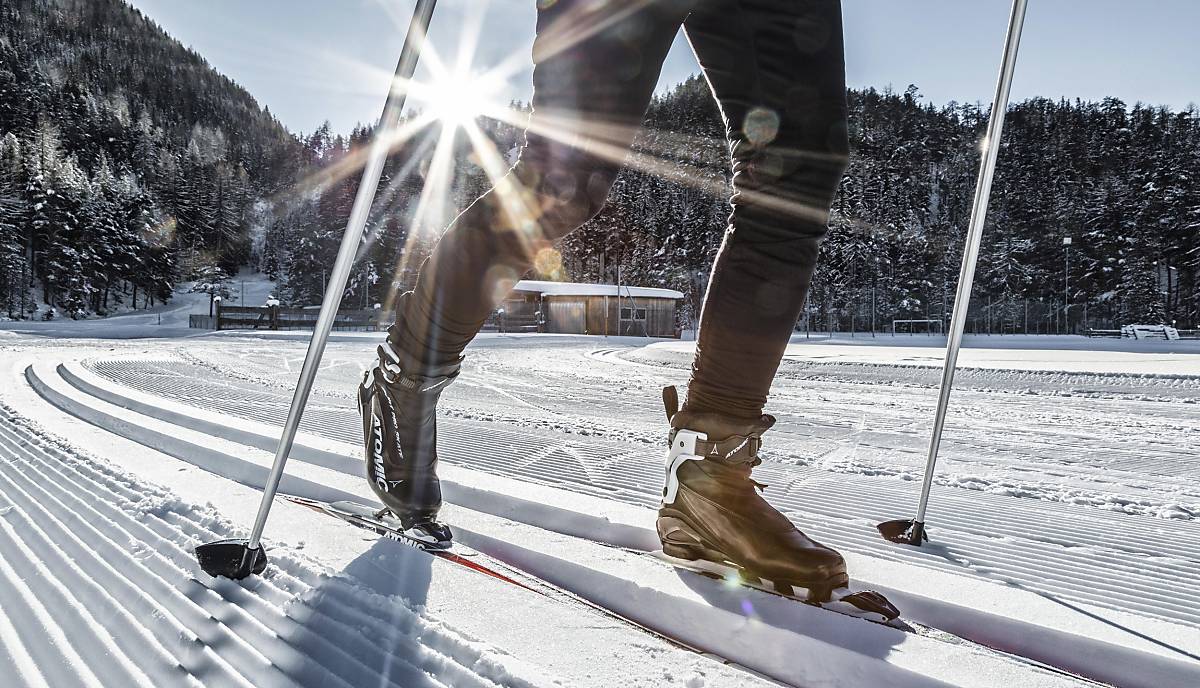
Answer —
311 61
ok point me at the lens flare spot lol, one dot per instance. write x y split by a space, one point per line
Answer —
501 280
548 261
560 186
761 126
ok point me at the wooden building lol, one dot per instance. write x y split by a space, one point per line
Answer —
573 308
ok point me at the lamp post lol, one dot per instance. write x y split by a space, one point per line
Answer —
1067 284
1165 288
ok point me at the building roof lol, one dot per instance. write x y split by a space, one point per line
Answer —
579 289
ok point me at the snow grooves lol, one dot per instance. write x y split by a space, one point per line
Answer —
637 482
1019 541
98 587
586 465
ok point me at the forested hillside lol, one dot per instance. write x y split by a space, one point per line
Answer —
1122 182
127 165
125 160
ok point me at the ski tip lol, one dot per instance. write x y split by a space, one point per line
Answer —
871 602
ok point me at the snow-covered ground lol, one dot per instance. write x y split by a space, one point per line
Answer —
164 320
1065 517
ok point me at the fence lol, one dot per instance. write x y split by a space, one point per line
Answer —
516 316
277 318
1013 316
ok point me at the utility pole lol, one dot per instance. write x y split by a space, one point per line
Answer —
604 280
1067 284
853 311
807 314
1163 280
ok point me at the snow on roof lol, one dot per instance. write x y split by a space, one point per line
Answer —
578 289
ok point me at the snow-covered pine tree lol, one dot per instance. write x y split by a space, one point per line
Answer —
210 279
14 265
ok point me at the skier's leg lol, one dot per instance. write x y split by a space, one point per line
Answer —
777 69
595 67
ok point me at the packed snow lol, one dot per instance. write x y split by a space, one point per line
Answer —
1065 516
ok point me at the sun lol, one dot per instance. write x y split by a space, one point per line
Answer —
458 98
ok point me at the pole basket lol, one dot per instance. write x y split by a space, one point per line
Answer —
904 531
231 558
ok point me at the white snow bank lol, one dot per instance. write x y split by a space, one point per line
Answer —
1027 353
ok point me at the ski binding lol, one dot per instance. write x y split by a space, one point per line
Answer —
863 604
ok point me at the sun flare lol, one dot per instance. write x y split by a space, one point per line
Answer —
459 98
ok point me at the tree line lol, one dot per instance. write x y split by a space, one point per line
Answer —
126 161
1121 183
127 165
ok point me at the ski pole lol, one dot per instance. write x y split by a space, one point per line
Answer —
239 558
912 532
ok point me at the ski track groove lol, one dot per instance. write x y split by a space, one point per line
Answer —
289 627
262 605
220 634
1034 536
70 611
15 656
124 582
48 648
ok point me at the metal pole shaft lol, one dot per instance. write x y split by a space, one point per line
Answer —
372 170
966 277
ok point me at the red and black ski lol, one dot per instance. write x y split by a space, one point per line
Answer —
377 520
383 524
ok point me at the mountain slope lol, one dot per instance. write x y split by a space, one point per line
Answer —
126 160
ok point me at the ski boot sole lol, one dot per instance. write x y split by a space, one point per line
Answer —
671 529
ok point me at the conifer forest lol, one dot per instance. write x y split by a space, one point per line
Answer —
128 165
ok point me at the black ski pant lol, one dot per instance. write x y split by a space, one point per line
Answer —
776 68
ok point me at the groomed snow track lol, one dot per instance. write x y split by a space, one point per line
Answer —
1030 557
1017 541
154 620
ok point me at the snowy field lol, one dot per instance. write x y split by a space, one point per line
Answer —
1065 516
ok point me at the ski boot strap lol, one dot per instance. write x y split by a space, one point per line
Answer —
732 449
395 365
